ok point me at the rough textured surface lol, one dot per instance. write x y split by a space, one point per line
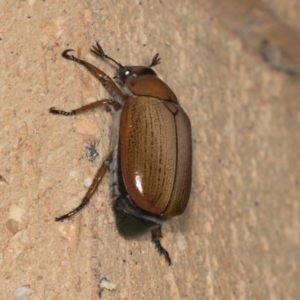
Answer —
239 237
264 26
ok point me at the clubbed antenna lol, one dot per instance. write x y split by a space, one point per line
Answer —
99 51
155 61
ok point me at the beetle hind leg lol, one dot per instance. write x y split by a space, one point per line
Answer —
96 181
156 236
83 203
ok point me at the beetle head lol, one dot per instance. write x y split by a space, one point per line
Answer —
127 72
136 71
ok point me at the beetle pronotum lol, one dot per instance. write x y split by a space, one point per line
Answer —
152 159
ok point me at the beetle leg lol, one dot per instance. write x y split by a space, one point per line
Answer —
96 181
106 81
156 236
116 105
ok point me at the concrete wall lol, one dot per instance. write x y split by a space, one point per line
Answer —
239 237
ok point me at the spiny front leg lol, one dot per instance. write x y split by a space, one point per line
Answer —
106 81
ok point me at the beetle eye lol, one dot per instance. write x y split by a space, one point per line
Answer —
126 71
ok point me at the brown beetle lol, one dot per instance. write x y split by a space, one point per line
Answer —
152 159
